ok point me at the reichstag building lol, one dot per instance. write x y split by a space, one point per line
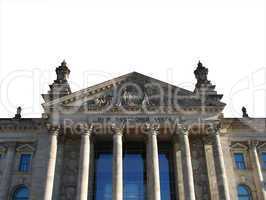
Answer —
132 138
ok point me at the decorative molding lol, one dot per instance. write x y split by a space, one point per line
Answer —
239 147
3 149
118 128
20 125
262 146
53 128
25 148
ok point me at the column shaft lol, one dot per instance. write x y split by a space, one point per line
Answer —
155 172
7 171
149 172
210 164
84 163
188 164
259 172
178 170
222 166
48 192
117 166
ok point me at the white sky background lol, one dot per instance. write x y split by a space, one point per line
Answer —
102 39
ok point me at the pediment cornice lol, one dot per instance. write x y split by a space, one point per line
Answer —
133 92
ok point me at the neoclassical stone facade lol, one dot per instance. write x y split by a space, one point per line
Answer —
133 137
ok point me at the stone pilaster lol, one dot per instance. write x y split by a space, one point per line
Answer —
178 169
212 179
117 163
84 166
48 191
255 157
190 193
8 166
226 193
154 163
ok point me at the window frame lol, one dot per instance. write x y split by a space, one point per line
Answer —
167 149
262 163
247 188
239 148
137 147
15 190
26 167
244 160
21 150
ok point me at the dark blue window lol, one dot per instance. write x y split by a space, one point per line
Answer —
24 164
243 193
133 175
103 176
263 160
21 193
166 174
239 161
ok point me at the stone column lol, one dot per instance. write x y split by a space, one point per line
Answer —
117 164
184 131
7 171
210 164
84 166
221 163
91 173
48 191
58 168
178 169
154 165
253 146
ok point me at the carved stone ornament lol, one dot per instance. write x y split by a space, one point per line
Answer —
118 128
214 128
53 129
182 128
18 114
253 143
152 128
62 73
201 74
244 112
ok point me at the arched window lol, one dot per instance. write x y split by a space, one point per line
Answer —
243 193
21 193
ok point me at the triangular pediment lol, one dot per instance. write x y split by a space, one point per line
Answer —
25 148
262 146
133 91
239 146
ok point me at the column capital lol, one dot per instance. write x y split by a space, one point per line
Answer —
214 128
183 129
253 143
151 128
53 129
118 128
86 129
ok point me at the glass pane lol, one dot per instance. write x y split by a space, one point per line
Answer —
103 176
263 158
239 161
165 179
24 165
243 193
21 193
133 177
